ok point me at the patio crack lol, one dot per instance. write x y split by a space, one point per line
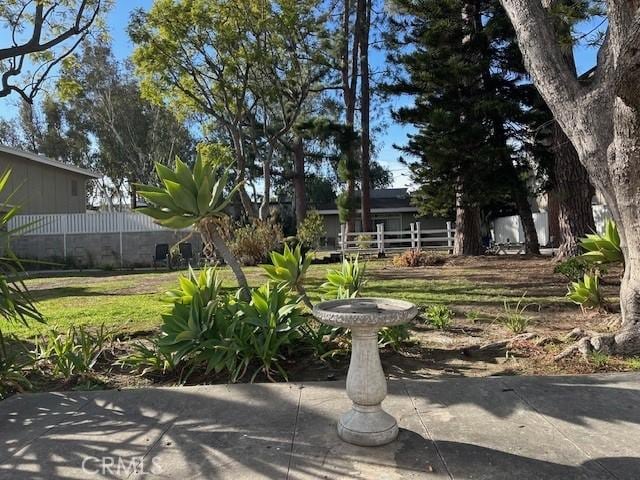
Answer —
554 427
427 431
295 430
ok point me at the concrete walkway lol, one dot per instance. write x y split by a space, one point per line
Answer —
563 428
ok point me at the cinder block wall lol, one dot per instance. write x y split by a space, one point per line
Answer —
100 249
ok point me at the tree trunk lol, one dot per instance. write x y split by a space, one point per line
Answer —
299 194
467 239
364 12
601 117
211 237
531 244
263 212
238 149
574 193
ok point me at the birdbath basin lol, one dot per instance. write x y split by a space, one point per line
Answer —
366 423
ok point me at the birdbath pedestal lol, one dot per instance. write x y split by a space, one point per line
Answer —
366 423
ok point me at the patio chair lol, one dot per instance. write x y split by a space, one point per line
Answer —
186 253
162 255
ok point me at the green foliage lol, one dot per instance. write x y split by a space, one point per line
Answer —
513 316
73 353
187 195
12 369
149 359
364 241
634 363
599 359
311 230
347 282
440 316
586 292
276 319
473 316
461 144
16 304
603 249
289 267
205 284
573 268
252 244
394 336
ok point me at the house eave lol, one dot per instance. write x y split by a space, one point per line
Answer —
48 161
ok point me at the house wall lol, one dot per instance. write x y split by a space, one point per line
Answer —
99 249
42 188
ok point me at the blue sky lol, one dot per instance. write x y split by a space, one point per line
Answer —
119 17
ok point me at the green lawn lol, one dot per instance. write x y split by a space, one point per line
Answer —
132 302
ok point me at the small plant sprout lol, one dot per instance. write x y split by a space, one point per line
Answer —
440 316
473 316
514 317
599 359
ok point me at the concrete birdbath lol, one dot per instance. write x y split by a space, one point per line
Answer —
366 423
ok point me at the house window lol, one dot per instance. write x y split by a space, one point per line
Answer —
74 188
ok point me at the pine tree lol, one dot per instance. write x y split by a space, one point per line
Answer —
472 110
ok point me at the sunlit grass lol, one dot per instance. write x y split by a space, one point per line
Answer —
132 301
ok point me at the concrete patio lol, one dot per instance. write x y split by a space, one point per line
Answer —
583 427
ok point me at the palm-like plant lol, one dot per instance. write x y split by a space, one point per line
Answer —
289 268
604 248
193 197
16 304
346 282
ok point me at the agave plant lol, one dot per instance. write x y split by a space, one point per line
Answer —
193 197
346 282
206 284
277 321
16 304
586 292
604 248
289 268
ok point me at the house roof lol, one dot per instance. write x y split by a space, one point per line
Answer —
385 200
48 161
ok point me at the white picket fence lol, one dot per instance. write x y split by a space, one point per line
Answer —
75 223
382 241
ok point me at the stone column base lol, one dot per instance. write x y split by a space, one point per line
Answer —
367 426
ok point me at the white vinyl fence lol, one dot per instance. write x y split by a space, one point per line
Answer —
382 241
509 229
74 223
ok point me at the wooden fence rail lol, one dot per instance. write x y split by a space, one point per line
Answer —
382 241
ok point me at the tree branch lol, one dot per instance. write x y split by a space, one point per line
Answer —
627 74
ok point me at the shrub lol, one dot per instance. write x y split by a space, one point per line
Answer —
73 353
251 244
440 316
634 363
419 258
311 230
514 317
393 337
204 284
12 369
346 282
605 248
149 359
586 292
599 359
289 268
276 320
364 241
573 268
